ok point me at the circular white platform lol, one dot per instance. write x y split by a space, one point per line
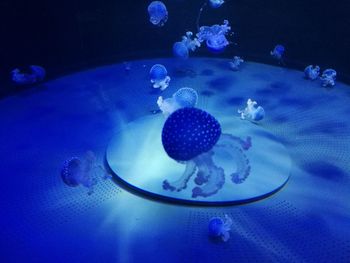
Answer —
137 157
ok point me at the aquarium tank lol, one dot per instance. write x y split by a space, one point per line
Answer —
174 131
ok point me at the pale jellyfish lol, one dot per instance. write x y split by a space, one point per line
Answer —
278 53
158 14
76 171
328 77
220 228
33 75
252 112
312 72
181 49
236 63
184 97
193 137
214 36
216 3
159 77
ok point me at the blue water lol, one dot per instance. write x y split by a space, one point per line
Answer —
43 220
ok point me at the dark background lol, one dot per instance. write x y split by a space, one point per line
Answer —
68 35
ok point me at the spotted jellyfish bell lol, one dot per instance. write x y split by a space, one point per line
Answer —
159 77
216 3
252 112
220 228
328 77
312 72
182 49
158 14
184 97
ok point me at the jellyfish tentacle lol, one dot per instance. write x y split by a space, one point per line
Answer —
181 183
214 176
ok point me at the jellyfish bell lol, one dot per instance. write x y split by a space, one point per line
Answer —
189 132
328 77
158 14
216 3
217 43
186 97
278 52
71 171
219 228
159 76
312 72
31 75
180 50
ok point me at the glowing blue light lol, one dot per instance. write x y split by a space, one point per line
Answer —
252 112
159 76
216 3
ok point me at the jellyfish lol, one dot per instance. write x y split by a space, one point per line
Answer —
193 137
236 63
182 49
278 52
33 75
328 77
312 72
216 3
214 36
158 14
76 171
159 77
252 112
184 97
220 228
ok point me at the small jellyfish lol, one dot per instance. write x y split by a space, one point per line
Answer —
184 97
76 171
182 49
127 67
278 52
252 112
159 77
158 14
328 77
192 136
214 36
236 63
312 72
219 228
216 3
33 75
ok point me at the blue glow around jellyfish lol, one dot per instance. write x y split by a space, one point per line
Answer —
158 14
159 77
193 136
278 52
312 72
184 97
214 36
216 3
220 228
328 77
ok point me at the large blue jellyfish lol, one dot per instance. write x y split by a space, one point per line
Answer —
328 77
214 36
159 77
216 3
85 172
193 136
33 75
182 49
158 14
184 97
220 228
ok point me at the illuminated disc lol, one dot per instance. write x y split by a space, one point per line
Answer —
137 158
